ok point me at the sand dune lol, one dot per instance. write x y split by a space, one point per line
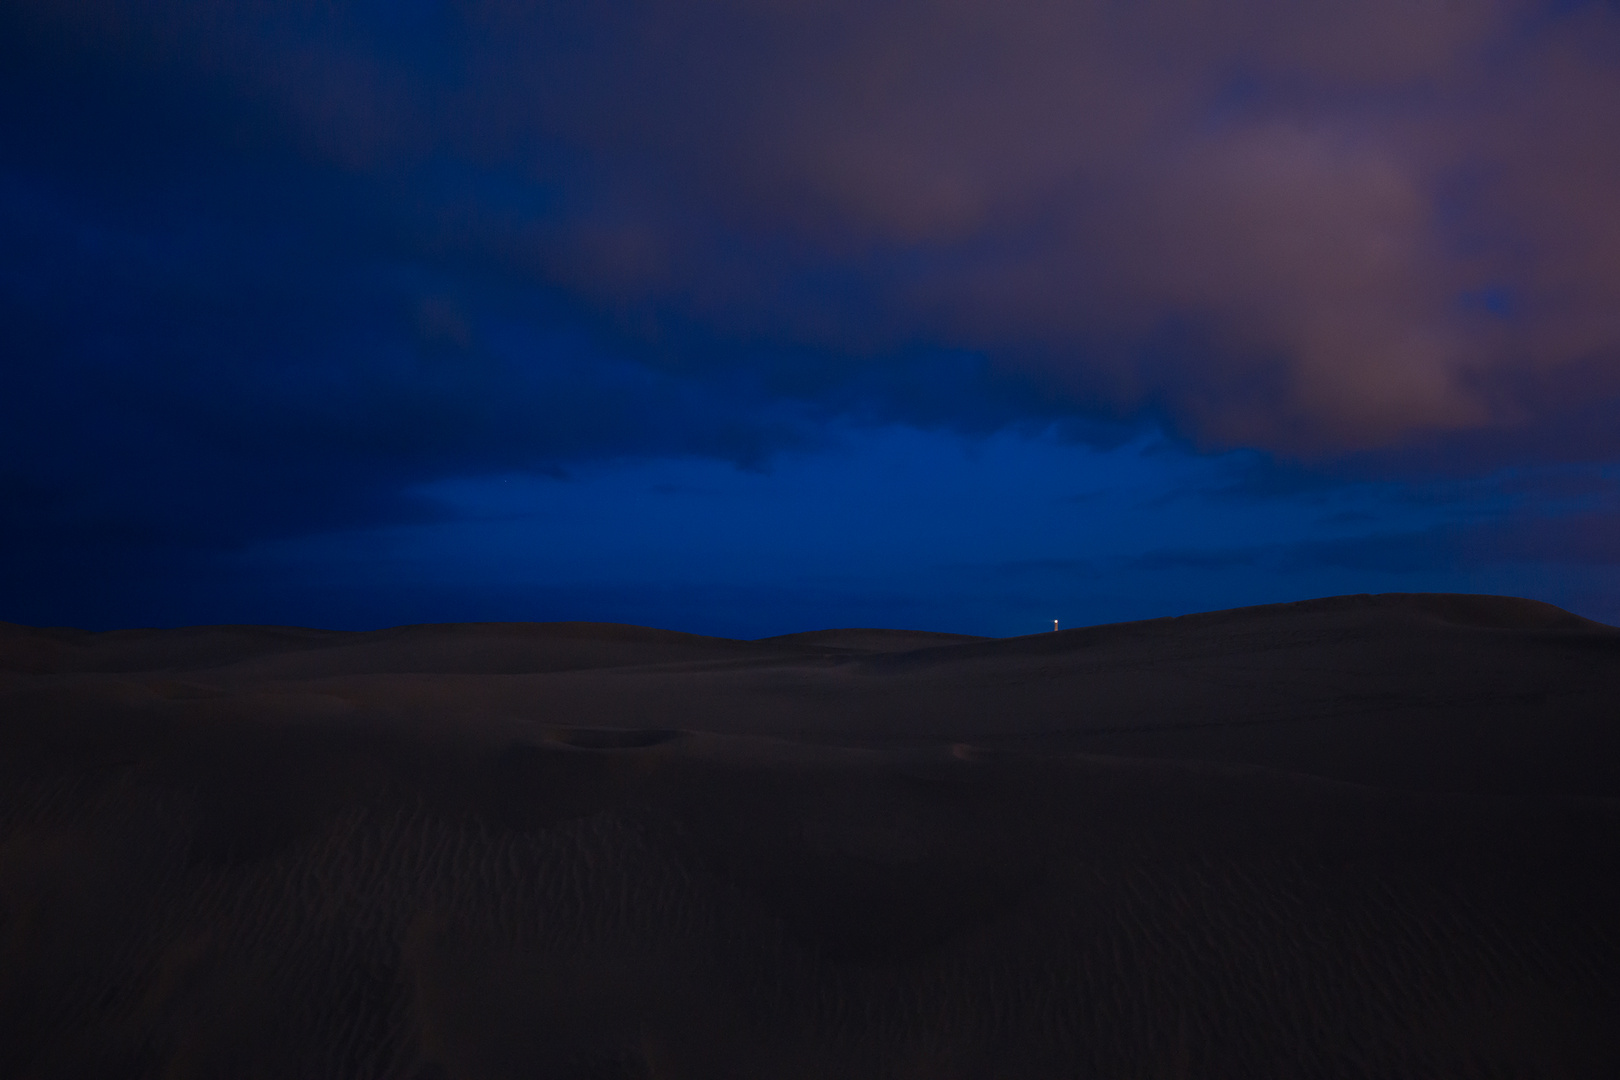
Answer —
1364 836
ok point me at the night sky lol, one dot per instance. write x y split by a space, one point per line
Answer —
752 317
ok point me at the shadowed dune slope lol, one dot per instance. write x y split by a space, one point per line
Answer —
867 640
1427 692
1364 836
276 651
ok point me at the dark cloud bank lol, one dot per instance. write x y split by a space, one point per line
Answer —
269 268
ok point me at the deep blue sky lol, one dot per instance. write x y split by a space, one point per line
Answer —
747 318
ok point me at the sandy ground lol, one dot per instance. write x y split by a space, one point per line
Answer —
1364 836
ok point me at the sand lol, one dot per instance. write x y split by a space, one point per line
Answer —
1362 836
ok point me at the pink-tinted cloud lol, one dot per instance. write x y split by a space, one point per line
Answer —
1376 221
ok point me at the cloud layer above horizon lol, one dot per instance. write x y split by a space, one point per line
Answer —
293 261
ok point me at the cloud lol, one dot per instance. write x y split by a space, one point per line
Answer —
1300 196
267 267
1586 540
1262 221
1590 539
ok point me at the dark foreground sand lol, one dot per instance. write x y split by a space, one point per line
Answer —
1367 836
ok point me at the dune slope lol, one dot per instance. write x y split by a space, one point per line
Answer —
1364 836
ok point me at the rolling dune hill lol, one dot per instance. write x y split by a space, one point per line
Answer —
1363 836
